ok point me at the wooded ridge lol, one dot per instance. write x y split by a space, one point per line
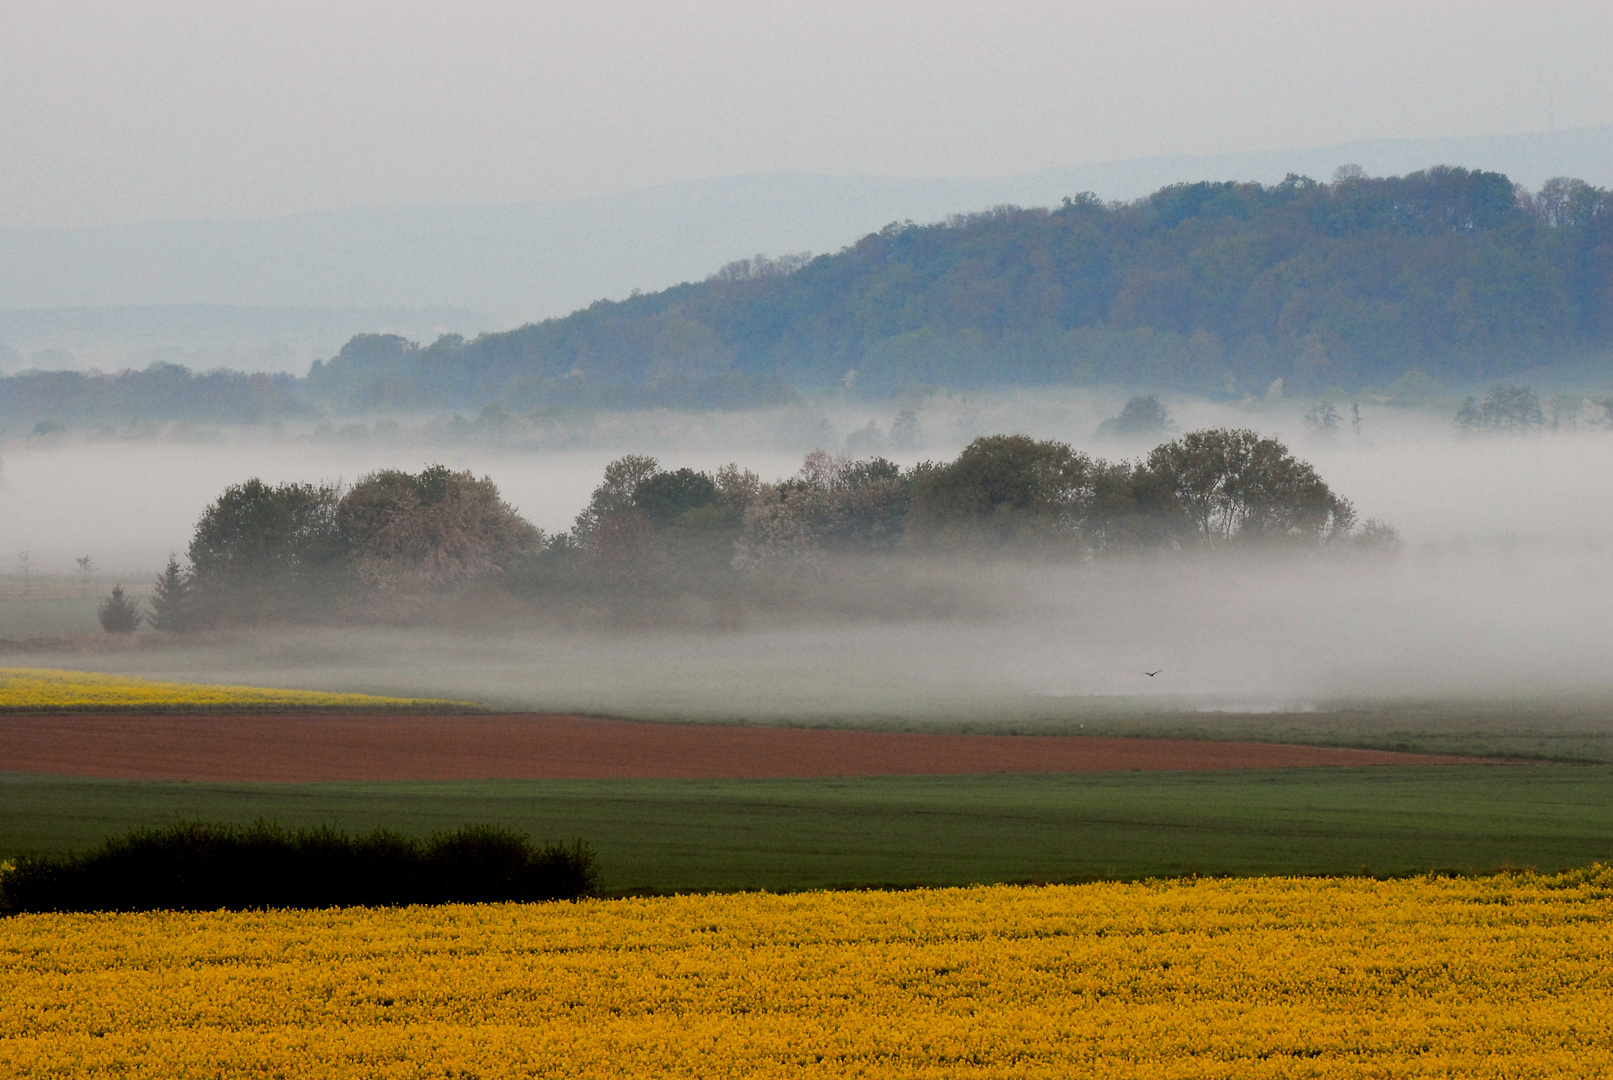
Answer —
1211 288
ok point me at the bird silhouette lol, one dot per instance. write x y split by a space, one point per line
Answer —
1151 674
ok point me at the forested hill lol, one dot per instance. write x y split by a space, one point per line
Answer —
1217 288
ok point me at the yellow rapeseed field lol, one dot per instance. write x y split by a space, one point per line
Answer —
1509 976
45 688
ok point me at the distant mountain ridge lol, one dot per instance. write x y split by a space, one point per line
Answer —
526 261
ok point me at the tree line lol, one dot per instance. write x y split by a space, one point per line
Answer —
45 400
395 541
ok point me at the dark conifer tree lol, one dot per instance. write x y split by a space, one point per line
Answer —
119 614
171 601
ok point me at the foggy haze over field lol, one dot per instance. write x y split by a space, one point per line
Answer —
1498 591
1017 642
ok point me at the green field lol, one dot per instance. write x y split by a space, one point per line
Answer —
1548 729
700 835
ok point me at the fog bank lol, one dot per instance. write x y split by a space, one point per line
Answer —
1498 591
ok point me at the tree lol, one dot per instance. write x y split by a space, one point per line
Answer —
1142 415
171 600
1225 485
1376 538
697 519
118 614
416 532
1606 405
622 477
786 523
623 551
1323 420
1002 489
1509 408
873 500
268 552
1505 410
664 497
1565 410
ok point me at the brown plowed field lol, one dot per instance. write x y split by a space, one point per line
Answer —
304 746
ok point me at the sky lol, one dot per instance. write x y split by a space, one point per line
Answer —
146 111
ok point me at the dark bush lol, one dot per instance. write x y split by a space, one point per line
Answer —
202 867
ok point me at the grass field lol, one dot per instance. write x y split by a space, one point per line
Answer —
1502 976
792 834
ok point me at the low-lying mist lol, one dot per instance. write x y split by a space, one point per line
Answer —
1014 639
1499 590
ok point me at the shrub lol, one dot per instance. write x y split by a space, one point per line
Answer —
203 867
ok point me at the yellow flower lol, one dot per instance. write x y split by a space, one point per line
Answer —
1501 976
26 689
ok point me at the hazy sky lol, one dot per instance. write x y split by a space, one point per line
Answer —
142 110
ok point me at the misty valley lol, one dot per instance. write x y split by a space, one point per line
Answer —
837 540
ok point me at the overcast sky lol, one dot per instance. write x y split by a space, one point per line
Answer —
141 110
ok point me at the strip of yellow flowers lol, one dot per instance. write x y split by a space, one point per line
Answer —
45 688
1508 976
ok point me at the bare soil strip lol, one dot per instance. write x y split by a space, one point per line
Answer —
291 747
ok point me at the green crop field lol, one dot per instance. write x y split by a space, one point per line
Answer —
1563 728
698 835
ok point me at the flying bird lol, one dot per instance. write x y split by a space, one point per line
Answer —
1151 674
